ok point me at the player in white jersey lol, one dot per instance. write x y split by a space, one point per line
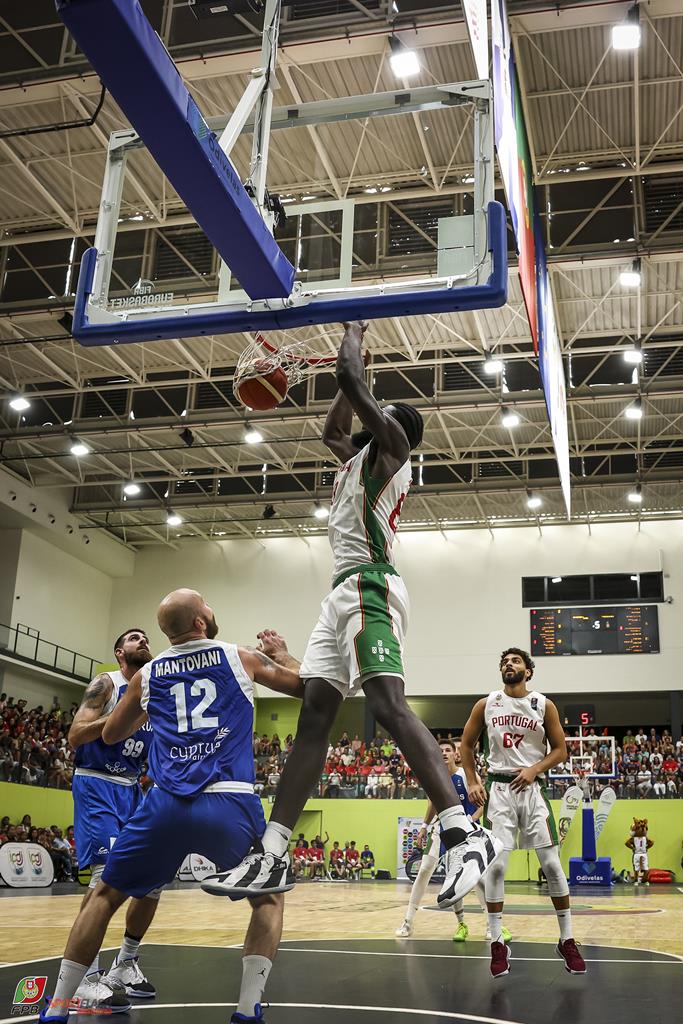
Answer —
520 726
358 640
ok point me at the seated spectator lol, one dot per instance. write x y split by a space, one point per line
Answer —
372 783
299 860
367 860
644 783
333 783
357 745
316 863
387 786
352 858
301 842
337 864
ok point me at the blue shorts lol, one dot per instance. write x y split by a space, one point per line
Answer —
101 809
165 828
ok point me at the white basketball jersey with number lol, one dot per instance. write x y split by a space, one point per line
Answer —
639 846
364 513
515 730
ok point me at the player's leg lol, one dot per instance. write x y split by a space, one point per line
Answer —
260 948
427 868
125 969
83 944
540 832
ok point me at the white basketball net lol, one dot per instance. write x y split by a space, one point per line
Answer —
259 357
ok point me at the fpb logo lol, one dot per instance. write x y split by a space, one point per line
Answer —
28 993
17 861
36 860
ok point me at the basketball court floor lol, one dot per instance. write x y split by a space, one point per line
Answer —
339 958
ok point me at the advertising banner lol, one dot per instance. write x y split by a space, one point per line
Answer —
408 829
25 866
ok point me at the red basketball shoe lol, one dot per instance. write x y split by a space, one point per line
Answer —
500 959
573 961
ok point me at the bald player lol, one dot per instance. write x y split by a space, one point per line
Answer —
198 697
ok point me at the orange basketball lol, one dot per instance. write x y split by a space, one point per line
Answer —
265 389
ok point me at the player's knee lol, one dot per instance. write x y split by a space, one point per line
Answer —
387 701
106 894
318 710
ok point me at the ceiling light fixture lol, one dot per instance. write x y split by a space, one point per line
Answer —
251 435
404 62
634 411
626 35
173 519
634 355
79 449
493 366
556 579
321 511
533 500
131 488
20 404
631 278
636 495
510 419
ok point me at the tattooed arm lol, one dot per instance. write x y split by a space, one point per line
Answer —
89 719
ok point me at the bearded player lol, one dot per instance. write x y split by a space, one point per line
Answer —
520 725
357 643
106 793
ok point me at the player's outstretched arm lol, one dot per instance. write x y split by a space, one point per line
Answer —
89 719
128 715
388 434
337 429
281 678
470 737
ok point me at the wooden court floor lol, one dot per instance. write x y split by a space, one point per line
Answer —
649 917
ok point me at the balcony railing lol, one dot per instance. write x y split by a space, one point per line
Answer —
26 644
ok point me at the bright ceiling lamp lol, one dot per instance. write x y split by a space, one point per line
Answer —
533 500
79 449
173 519
510 419
634 411
493 366
19 404
634 355
631 278
636 495
404 62
252 436
131 489
626 35
321 511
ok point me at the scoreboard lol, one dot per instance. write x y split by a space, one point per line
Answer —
625 629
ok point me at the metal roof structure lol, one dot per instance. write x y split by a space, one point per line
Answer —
606 138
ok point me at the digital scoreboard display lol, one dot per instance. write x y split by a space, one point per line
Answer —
626 629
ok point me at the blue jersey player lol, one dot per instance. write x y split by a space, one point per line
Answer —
428 839
198 697
106 793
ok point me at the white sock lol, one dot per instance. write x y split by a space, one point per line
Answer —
564 919
496 926
276 838
255 971
129 949
460 912
69 978
427 869
455 817
94 966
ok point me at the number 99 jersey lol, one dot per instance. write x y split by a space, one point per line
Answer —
515 731
123 760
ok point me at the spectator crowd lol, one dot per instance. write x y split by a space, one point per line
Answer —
60 846
347 863
33 744
649 764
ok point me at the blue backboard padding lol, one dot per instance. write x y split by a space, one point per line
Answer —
323 311
134 65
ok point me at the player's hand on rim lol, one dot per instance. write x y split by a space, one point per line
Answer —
357 327
524 779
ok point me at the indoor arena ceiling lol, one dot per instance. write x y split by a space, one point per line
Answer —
606 137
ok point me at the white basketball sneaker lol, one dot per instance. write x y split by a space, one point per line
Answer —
405 930
256 875
97 996
127 973
466 863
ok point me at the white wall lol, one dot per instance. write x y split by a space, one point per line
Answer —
63 597
465 592
37 687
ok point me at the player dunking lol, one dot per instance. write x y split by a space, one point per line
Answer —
198 697
358 640
520 724
106 793
428 838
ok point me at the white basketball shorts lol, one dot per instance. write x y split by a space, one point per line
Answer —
521 820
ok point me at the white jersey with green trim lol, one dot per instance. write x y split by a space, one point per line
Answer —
365 512
515 731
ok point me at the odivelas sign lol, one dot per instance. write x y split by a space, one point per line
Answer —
25 865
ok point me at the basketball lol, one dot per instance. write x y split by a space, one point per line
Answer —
265 389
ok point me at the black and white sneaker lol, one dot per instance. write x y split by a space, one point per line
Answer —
258 873
128 975
466 863
96 995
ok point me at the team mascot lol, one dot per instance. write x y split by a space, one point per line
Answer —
639 842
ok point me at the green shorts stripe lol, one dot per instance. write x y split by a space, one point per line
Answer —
377 649
485 815
552 827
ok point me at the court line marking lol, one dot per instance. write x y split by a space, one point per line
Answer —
443 1014
475 956
424 938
